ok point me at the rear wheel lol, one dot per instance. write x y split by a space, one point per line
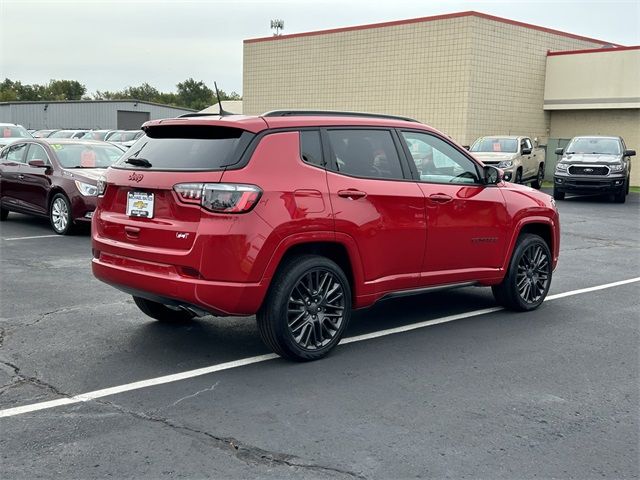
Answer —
60 215
529 276
537 183
558 195
4 214
161 312
307 308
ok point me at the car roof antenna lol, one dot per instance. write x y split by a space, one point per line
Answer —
222 110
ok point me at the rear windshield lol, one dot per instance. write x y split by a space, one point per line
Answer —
187 148
607 146
506 145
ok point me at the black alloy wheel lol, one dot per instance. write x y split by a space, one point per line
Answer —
307 309
529 275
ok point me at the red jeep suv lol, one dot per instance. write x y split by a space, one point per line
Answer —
300 217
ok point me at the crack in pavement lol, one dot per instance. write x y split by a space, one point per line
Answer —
19 378
246 453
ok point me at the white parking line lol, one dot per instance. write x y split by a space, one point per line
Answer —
29 238
151 382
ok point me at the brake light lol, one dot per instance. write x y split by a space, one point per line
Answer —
220 197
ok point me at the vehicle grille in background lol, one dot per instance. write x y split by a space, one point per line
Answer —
588 170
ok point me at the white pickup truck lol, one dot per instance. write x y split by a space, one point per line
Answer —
520 160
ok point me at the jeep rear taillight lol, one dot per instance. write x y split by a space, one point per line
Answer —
220 197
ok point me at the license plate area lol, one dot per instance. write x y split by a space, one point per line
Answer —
140 204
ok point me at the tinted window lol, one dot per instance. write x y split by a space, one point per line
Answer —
311 147
365 153
36 152
16 153
439 162
189 147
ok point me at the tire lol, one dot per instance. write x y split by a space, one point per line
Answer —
528 278
537 183
518 176
557 195
4 214
60 215
162 313
621 195
300 331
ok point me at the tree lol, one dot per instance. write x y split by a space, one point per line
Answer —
194 94
64 90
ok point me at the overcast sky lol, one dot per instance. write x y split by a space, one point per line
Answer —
109 45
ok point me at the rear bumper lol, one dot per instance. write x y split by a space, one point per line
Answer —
164 283
588 185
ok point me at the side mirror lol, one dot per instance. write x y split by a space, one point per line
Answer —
466 147
526 151
492 175
37 163
559 151
629 153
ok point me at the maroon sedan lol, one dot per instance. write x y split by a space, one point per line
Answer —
53 177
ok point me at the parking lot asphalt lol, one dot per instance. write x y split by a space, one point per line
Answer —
549 393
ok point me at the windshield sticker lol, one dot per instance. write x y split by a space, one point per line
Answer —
6 132
56 146
496 147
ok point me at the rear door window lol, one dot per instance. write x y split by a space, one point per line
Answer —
311 147
187 148
16 153
365 153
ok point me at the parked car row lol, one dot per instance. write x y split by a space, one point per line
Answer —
125 137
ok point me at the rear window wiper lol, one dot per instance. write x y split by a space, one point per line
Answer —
139 162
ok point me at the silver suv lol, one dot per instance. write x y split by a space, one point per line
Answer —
591 165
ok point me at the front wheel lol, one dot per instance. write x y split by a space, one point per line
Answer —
621 195
307 308
558 195
529 276
518 177
162 313
60 215
537 183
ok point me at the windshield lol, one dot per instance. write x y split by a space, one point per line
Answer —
62 134
96 135
487 144
602 146
79 155
14 131
128 136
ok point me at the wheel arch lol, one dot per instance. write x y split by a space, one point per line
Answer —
343 251
541 226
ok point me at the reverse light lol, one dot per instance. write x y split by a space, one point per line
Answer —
87 189
220 197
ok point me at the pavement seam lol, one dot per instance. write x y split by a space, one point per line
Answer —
22 378
247 453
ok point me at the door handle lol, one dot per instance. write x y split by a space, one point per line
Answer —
351 194
440 198
21 177
132 232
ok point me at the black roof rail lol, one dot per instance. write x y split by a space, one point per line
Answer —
322 113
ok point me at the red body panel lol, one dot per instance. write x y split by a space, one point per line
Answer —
396 235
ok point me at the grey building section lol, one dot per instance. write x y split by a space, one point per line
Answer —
93 114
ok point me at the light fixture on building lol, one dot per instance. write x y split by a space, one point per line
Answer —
277 25
45 107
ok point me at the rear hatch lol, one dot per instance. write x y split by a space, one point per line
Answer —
142 206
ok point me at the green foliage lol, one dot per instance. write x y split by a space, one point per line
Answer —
190 93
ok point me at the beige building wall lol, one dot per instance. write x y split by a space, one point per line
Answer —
508 77
606 79
467 74
621 122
